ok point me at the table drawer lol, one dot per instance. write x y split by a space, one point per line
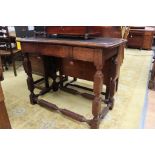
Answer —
55 50
29 48
87 54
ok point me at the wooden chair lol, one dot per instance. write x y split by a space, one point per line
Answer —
6 48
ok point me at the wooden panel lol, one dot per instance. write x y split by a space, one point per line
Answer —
111 31
140 38
83 70
37 64
53 30
135 40
29 48
148 40
74 30
87 54
55 50
4 120
78 69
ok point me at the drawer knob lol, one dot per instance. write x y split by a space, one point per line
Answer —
71 62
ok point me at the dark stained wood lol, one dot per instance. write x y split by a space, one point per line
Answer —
98 42
93 59
66 112
141 38
4 119
152 78
6 48
111 31
82 31
38 64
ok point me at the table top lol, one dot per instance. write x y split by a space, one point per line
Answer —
99 42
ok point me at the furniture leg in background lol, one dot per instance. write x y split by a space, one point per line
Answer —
30 81
4 119
152 79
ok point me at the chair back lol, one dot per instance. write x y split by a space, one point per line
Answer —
125 32
5 40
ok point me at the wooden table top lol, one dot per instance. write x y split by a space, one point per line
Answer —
93 42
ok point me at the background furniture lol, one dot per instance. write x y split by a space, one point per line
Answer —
4 120
141 37
73 31
8 48
152 78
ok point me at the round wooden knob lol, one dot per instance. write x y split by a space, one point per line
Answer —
71 62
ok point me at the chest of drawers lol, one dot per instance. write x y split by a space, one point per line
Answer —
141 38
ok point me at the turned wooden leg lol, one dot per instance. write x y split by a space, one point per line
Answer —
107 92
14 65
30 82
61 78
113 85
45 63
96 106
117 84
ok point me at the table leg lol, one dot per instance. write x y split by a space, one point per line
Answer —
113 81
30 82
112 93
96 106
45 63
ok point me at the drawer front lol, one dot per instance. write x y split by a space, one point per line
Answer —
135 40
55 50
36 64
85 54
29 48
47 49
